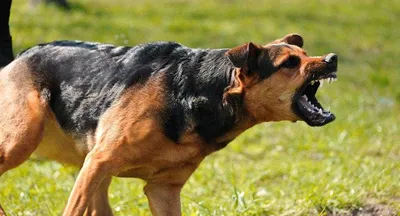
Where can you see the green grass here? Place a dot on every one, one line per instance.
(274, 168)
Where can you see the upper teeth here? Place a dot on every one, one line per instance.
(330, 79)
(321, 81)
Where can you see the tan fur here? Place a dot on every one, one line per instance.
(271, 99)
(2, 212)
(55, 139)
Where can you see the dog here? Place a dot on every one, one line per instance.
(152, 111)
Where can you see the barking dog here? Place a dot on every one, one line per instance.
(152, 111)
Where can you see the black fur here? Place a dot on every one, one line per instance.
(84, 79)
(196, 83)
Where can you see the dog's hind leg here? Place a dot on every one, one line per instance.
(2, 213)
(99, 205)
(22, 116)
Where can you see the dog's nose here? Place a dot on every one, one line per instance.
(331, 58)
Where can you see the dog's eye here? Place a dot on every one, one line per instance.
(291, 62)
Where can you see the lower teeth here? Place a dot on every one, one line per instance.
(314, 109)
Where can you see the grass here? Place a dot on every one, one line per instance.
(272, 169)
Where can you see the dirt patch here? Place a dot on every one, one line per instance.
(367, 210)
(375, 209)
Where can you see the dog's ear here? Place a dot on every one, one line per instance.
(244, 58)
(293, 39)
(244, 55)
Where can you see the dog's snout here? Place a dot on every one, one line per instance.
(331, 58)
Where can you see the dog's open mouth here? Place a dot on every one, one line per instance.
(306, 104)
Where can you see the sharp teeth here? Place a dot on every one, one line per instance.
(321, 83)
(320, 111)
(330, 79)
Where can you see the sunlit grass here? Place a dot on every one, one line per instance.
(272, 169)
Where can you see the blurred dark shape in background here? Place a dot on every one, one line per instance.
(60, 3)
(6, 53)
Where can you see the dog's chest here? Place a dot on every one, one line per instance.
(168, 161)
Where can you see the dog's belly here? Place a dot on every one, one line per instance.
(59, 146)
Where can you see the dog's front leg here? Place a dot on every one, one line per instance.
(99, 205)
(94, 170)
(164, 199)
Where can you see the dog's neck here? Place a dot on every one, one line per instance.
(199, 86)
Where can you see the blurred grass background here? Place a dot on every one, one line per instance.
(272, 169)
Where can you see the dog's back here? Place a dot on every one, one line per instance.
(84, 78)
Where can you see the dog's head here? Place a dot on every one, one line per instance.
(279, 80)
